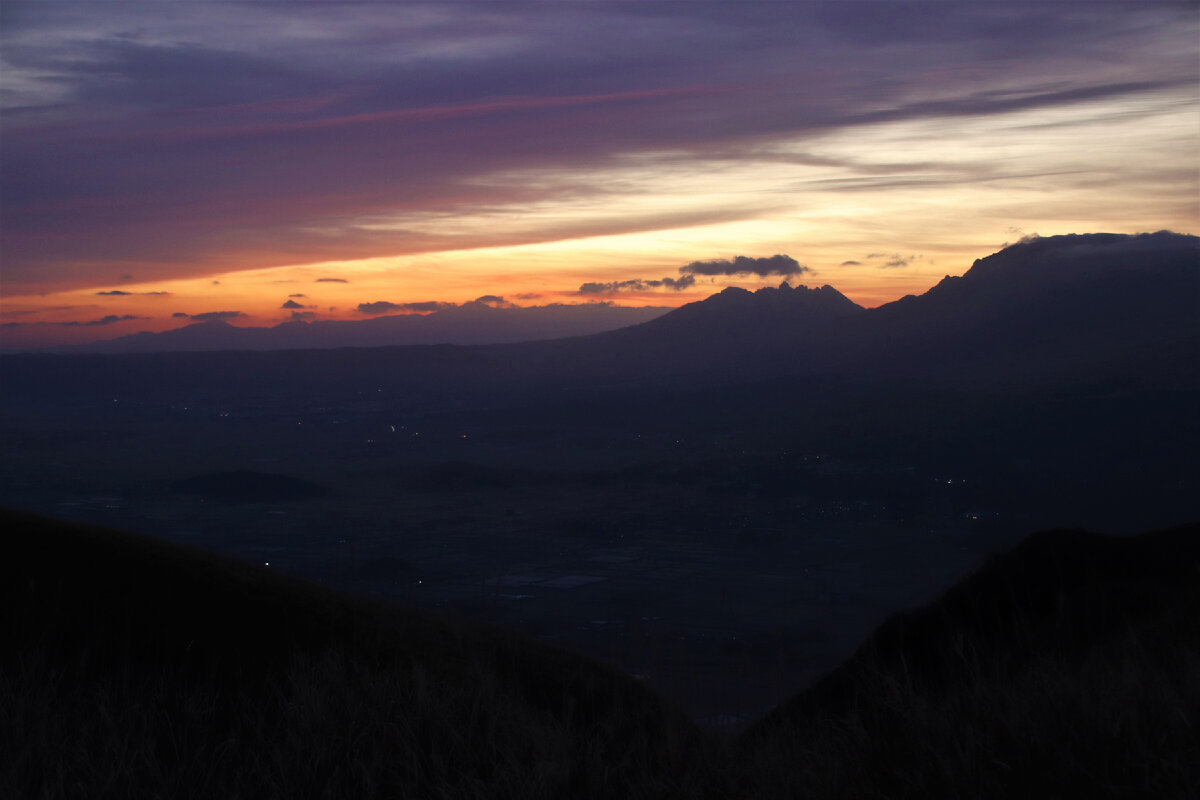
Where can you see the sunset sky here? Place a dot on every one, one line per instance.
(163, 162)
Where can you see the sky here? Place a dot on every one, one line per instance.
(167, 162)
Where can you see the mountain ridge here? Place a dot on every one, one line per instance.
(468, 324)
(1123, 267)
(1060, 304)
(1112, 305)
(1132, 321)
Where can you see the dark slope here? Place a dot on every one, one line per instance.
(1068, 666)
(135, 668)
(1092, 307)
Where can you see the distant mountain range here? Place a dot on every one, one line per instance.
(473, 323)
(1053, 304)
(1090, 309)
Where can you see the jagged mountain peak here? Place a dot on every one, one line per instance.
(785, 298)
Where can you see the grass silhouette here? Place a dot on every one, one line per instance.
(1068, 666)
(135, 668)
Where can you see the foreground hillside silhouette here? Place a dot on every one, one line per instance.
(133, 668)
(1069, 666)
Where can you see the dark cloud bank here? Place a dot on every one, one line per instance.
(779, 264)
(742, 265)
(384, 307)
(636, 285)
(380, 307)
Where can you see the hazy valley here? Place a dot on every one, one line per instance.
(723, 501)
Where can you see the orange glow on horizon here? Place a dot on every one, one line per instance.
(439, 159)
(878, 212)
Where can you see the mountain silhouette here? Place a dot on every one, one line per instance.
(1053, 309)
(1064, 308)
(733, 335)
(473, 323)
(762, 309)
(210, 334)
(1095, 309)
(739, 320)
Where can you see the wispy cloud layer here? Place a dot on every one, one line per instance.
(217, 138)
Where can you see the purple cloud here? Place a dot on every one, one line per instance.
(384, 307)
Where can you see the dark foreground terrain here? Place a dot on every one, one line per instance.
(1067, 666)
